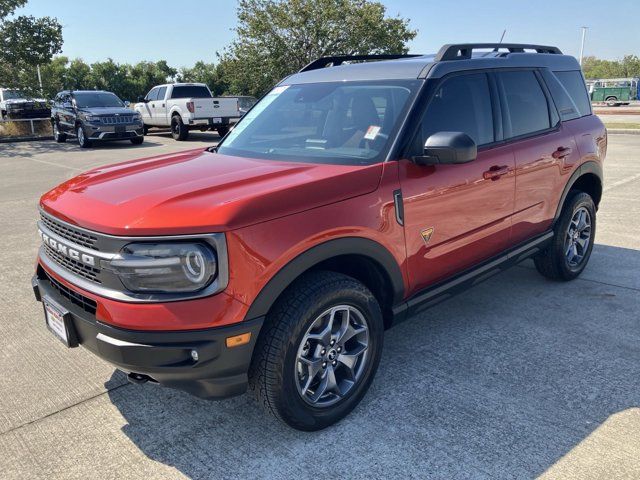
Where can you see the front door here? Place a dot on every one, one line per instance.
(456, 216)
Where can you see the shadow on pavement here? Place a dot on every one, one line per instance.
(194, 136)
(502, 382)
(40, 147)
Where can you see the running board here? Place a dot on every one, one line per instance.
(448, 288)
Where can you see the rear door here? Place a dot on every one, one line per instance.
(544, 150)
(456, 216)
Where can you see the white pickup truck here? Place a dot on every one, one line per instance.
(188, 106)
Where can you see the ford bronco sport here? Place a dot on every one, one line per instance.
(346, 200)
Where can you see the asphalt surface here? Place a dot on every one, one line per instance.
(517, 378)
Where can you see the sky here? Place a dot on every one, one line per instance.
(133, 30)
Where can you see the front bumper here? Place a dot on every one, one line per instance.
(113, 132)
(162, 357)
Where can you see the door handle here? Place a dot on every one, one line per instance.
(495, 172)
(561, 152)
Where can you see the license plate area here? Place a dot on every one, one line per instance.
(59, 322)
(120, 129)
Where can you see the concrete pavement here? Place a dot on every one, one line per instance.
(517, 378)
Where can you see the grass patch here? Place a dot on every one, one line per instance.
(625, 125)
(41, 128)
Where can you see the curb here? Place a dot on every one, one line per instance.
(24, 139)
(623, 131)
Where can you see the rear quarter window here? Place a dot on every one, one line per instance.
(574, 84)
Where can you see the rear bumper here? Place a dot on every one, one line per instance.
(162, 357)
(212, 121)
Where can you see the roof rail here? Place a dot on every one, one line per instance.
(336, 60)
(460, 51)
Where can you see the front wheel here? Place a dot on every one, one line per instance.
(179, 130)
(137, 140)
(83, 141)
(569, 252)
(318, 351)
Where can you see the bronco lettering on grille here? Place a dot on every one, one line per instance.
(67, 251)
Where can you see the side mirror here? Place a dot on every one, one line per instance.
(127, 103)
(447, 148)
(67, 105)
(141, 99)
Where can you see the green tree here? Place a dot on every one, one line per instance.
(203, 72)
(25, 42)
(78, 75)
(278, 37)
(628, 66)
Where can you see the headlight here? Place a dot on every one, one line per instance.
(91, 118)
(137, 117)
(165, 267)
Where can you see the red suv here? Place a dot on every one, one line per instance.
(346, 200)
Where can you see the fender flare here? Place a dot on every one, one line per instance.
(319, 253)
(588, 167)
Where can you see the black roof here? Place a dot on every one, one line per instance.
(450, 58)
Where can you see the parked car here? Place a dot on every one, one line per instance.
(187, 106)
(348, 199)
(14, 104)
(614, 91)
(94, 116)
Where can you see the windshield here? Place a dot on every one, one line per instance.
(13, 95)
(97, 99)
(337, 122)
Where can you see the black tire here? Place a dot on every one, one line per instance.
(612, 101)
(553, 262)
(137, 140)
(273, 373)
(83, 141)
(179, 130)
(222, 131)
(58, 136)
(145, 130)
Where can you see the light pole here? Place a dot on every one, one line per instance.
(584, 34)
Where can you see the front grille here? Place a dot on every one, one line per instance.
(80, 269)
(74, 297)
(115, 120)
(69, 233)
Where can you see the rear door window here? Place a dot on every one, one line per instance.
(575, 86)
(526, 109)
(461, 104)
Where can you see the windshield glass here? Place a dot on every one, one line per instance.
(97, 99)
(13, 95)
(337, 122)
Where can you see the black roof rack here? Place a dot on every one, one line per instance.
(338, 59)
(464, 50)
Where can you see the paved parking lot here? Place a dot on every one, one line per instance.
(517, 378)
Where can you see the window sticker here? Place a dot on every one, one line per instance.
(372, 132)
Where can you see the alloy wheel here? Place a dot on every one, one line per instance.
(332, 356)
(578, 237)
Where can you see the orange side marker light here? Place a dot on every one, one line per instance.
(238, 340)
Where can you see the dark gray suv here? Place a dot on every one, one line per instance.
(94, 116)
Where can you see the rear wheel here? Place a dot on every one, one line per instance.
(318, 351)
(179, 130)
(83, 141)
(612, 101)
(58, 136)
(222, 131)
(569, 252)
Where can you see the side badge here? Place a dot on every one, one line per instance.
(426, 234)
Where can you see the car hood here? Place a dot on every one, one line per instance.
(201, 192)
(107, 111)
